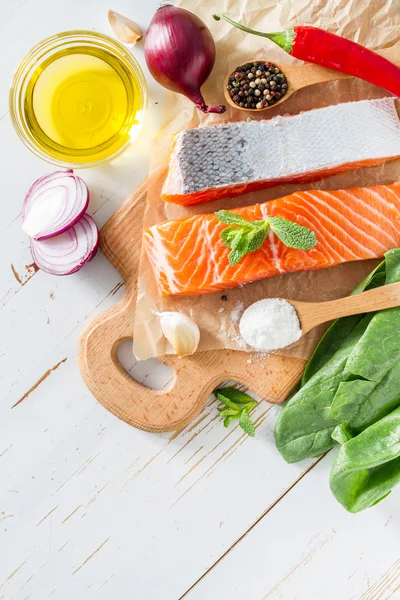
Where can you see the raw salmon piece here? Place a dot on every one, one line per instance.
(212, 162)
(187, 255)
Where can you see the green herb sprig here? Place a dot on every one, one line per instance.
(236, 405)
(244, 237)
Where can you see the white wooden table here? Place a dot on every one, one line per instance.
(92, 508)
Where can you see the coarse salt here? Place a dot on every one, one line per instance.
(270, 324)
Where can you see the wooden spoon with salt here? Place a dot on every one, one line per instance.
(312, 314)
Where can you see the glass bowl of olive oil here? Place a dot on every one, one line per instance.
(78, 99)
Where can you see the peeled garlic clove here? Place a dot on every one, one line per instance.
(181, 332)
(125, 30)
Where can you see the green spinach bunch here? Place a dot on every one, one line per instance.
(350, 394)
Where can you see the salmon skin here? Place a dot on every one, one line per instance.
(188, 258)
(212, 162)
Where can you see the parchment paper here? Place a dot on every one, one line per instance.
(375, 24)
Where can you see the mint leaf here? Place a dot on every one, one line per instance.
(245, 237)
(239, 239)
(229, 234)
(234, 395)
(231, 218)
(230, 412)
(239, 406)
(247, 424)
(225, 399)
(256, 238)
(292, 234)
(240, 249)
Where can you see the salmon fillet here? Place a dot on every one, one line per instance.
(188, 258)
(207, 163)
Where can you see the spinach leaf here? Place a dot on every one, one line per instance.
(341, 328)
(349, 397)
(361, 411)
(378, 349)
(368, 465)
(352, 377)
(304, 426)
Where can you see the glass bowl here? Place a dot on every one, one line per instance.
(27, 73)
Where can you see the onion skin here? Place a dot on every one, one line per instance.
(180, 53)
(69, 251)
(81, 191)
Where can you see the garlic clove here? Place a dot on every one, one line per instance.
(126, 31)
(181, 332)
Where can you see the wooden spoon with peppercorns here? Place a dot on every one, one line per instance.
(260, 84)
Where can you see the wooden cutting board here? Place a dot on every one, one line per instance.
(195, 377)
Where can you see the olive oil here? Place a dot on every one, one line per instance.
(82, 104)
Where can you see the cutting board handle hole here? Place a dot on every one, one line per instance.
(151, 373)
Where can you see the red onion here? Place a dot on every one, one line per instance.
(68, 252)
(180, 53)
(54, 203)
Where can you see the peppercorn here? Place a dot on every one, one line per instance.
(256, 85)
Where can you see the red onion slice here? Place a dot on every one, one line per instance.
(68, 252)
(54, 203)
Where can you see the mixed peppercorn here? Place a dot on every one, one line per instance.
(257, 85)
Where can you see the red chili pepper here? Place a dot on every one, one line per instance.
(315, 45)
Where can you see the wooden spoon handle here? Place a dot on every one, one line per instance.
(315, 313)
(309, 74)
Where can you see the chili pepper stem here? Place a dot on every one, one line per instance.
(284, 39)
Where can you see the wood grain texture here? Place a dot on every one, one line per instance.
(195, 377)
(301, 76)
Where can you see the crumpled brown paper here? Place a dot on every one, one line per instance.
(375, 24)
